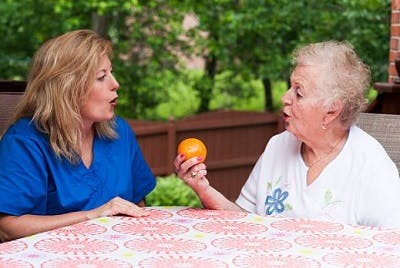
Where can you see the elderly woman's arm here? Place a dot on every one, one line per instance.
(194, 172)
(212, 199)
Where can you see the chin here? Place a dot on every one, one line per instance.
(105, 118)
(287, 125)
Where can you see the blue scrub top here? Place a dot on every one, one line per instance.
(34, 181)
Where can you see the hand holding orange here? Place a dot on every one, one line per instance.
(192, 147)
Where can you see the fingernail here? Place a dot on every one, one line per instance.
(199, 158)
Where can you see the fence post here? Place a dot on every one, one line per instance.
(171, 151)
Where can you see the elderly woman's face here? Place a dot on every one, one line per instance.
(102, 99)
(302, 107)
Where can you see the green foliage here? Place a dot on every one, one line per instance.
(246, 41)
(181, 98)
(279, 88)
(172, 191)
(258, 36)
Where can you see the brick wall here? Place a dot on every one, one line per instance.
(394, 39)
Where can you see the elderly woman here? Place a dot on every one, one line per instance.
(323, 166)
(67, 158)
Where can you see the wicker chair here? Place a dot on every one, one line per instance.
(8, 101)
(386, 129)
(10, 94)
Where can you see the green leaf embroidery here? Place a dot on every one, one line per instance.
(288, 207)
(328, 196)
(269, 187)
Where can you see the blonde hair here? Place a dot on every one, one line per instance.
(61, 72)
(343, 76)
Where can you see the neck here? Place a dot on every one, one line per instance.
(87, 130)
(87, 146)
(314, 155)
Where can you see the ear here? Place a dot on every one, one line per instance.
(334, 110)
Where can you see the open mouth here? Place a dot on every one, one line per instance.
(114, 101)
(284, 115)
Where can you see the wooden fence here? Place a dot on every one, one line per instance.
(234, 142)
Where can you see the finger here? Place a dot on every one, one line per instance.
(193, 174)
(193, 164)
(178, 160)
(133, 210)
(120, 205)
(196, 168)
(202, 173)
(196, 174)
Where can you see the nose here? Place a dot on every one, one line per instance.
(115, 84)
(287, 97)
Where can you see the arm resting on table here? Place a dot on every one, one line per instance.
(213, 199)
(13, 227)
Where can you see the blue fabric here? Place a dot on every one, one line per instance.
(34, 181)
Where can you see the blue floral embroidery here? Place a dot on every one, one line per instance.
(274, 202)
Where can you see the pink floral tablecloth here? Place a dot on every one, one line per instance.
(186, 237)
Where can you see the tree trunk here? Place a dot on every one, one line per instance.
(268, 94)
(206, 88)
(99, 24)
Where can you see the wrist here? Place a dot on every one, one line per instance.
(90, 215)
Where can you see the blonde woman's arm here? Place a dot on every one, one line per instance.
(13, 227)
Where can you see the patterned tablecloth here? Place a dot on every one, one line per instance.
(186, 237)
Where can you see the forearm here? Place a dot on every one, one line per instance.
(193, 172)
(213, 199)
(13, 227)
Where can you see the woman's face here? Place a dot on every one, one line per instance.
(303, 111)
(102, 98)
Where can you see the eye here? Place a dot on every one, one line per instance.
(101, 78)
(298, 93)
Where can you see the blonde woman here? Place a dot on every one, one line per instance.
(67, 157)
(323, 166)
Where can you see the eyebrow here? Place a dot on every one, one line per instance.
(102, 71)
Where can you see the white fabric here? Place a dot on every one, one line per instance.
(360, 186)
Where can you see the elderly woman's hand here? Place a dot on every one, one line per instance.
(193, 172)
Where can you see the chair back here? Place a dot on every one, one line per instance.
(386, 129)
(10, 94)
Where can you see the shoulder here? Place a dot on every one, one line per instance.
(366, 153)
(360, 142)
(124, 131)
(359, 136)
(122, 127)
(24, 140)
(121, 122)
(281, 148)
(283, 140)
(23, 128)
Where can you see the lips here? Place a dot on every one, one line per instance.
(285, 116)
(114, 101)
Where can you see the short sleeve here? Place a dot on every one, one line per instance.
(22, 176)
(380, 198)
(143, 179)
(248, 195)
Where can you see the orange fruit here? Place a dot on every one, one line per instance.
(192, 147)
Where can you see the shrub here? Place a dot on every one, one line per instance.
(172, 191)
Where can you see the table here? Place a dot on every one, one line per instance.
(188, 237)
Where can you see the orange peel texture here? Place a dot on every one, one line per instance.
(192, 147)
